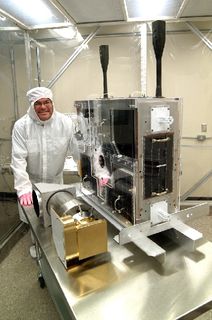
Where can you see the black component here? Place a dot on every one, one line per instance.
(121, 203)
(120, 198)
(35, 203)
(158, 40)
(158, 166)
(199, 198)
(101, 161)
(41, 281)
(87, 178)
(108, 150)
(123, 133)
(123, 181)
(104, 59)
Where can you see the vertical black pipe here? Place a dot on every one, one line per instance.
(104, 58)
(158, 40)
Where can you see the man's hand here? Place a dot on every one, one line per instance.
(26, 199)
(103, 181)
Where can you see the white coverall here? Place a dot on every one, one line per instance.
(39, 149)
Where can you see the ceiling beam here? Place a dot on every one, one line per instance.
(13, 19)
(196, 31)
(182, 7)
(72, 58)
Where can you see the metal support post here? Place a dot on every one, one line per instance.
(38, 65)
(14, 82)
(28, 58)
(143, 45)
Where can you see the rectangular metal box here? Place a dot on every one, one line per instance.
(130, 156)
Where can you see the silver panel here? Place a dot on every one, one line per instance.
(93, 10)
(197, 8)
(27, 15)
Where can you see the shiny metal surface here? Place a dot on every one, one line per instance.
(64, 203)
(125, 283)
(41, 194)
(77, 239)
(138, 234)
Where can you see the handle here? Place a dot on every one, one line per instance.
(159, 193)
(160, 140)
(115, 204)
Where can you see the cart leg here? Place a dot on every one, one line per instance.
(41, 280)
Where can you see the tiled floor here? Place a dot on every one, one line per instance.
(21, 296)
(9, 218)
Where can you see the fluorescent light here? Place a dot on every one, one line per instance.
(66, 33)
(34, 9)
(33, 13)
(146, 10)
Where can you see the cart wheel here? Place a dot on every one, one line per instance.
(41, 281)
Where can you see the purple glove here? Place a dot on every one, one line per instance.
(26, 199)
(103, 181)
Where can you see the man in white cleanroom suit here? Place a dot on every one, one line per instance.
(41, 140)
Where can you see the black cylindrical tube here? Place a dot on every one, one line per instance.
(104, 59)
(158, 40)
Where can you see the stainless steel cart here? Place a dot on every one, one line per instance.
(125, 283)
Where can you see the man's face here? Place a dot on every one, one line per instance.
(43, 108)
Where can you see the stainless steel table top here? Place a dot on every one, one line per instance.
(128, 285)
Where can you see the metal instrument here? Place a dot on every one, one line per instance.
(77, 231)
(130, 158)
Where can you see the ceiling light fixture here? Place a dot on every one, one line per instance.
(36, 9)
(146, 10)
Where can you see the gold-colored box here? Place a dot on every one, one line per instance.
(78, 240)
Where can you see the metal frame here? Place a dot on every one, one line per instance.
(35, 27)
(196, 31)
(16, 21)
(28, 58)
(14, 82)
(182, 7)
(196, 185)
(208, 43)
(72, 58)
(143, 52)
(62, 10)
(38, 65)
(151, 214)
